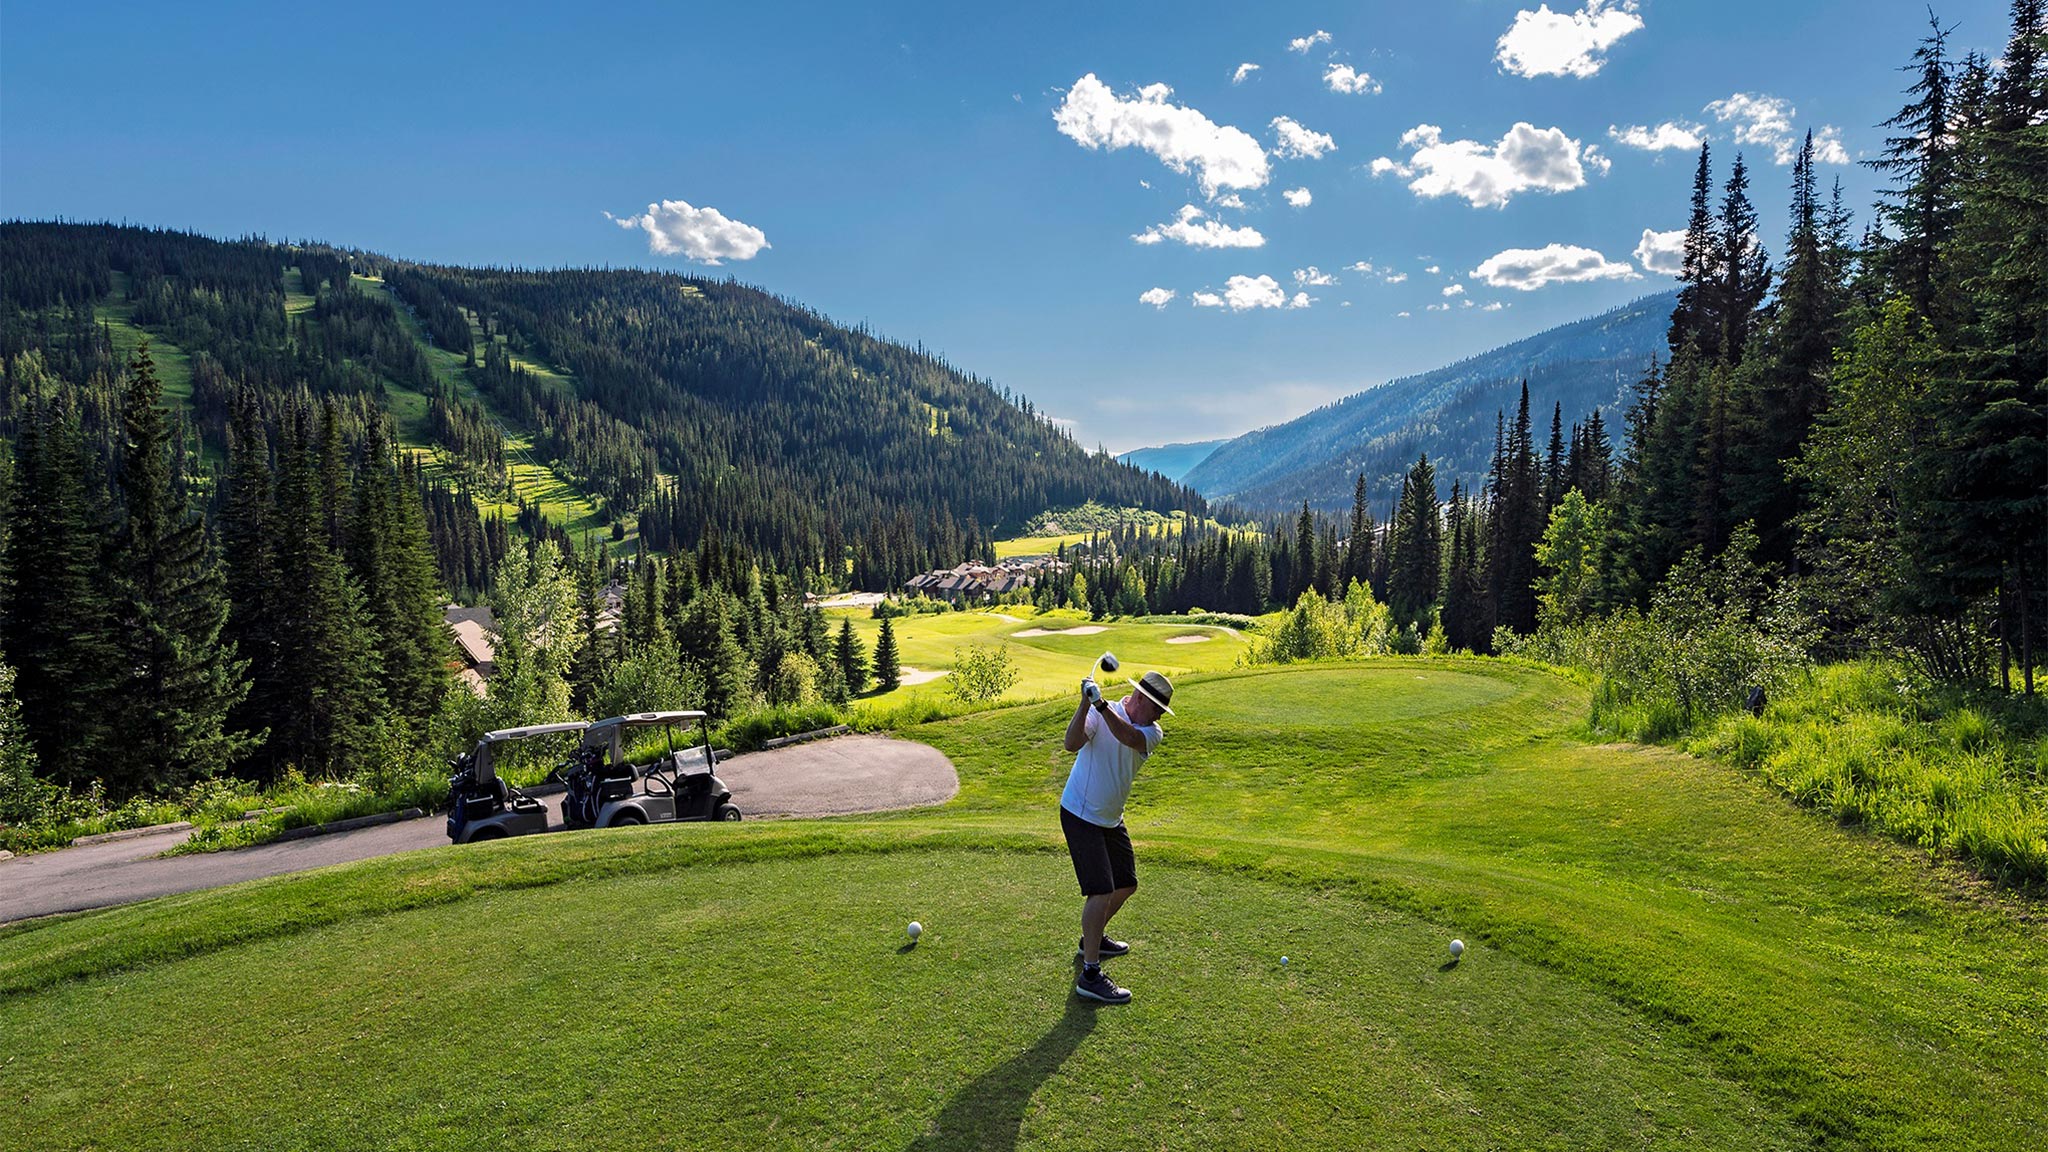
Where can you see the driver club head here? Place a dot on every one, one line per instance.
(1108, 662)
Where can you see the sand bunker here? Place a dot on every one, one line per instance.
(1083, 630)
(1189, 639)
(907, 675)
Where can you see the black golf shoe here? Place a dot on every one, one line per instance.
(1109, 948)
(1097, 986)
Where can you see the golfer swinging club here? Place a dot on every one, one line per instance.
(1112, 741)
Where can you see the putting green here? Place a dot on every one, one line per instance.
(774, 1005)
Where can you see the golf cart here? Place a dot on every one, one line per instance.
(484, 806)
(606, 790)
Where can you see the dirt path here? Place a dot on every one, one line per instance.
(849, 775)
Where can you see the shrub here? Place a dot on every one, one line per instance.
(981, 672)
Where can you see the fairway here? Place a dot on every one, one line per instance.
(1663, 954)
(1048, 650)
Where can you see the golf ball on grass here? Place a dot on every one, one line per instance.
(1457, 949)
(915, 930)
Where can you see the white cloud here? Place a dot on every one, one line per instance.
(1243, 293)
(1313, 277)
(1527, 269)
(1546, 43)
(1157, 297)
(1662, 252)
(1298, 197)
(1396, 277)
(1344, 304)
(1243, 70)
(1436, 307)
(1670, 134)
(1527, 158)
(1233, 200)
(1493, 307)
(1192, 228)
(1303, 43)
(1146, 184)
(1827, 146)
(1182, 138)
(1767, 121)
(1344, 78)
(1364, 266)
(1432, 269)
(1298, 143)
(1455, 290)
(1403, 315)
(705, 235)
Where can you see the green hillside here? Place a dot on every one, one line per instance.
(1663, 955)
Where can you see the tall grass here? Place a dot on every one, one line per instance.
(1959, 774)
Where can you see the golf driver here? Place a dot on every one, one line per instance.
(1108, 663)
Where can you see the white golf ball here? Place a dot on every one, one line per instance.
(916, 929)
(1457, 948)
(1283, 959)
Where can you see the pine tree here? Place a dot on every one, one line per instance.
(888, 672)
(56, 624)
(852, 659)
(1921, 206)
(1692, 323)
(1554, 461)
(1414, 569)
(1744, 266)
(176, 677)
(1358, 545)
(327, 665)
(1304, 553)
(389, 557)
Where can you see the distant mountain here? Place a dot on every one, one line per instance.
(1448, 413)
(1172, 460)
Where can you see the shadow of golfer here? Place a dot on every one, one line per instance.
(988, 1112)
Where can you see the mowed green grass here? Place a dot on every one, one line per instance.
(1664, 954)
(1046, 665)
(173, 364)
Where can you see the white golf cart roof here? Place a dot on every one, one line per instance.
(605, 733)
(485, 770)
(534, 730)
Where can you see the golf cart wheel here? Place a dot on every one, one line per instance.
(727, 812)
(483, 834)
(627, 817)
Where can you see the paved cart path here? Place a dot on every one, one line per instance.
(844, 776)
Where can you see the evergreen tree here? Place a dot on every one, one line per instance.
(390, 558)
(176, 678)
(1692, 321)
(1304, 558)
(1554, 461)
(852, 658)
(1515, 523)
(1921, 206)
(1414, 570)
(56, 621)
(327, 665)
(1744, 267)
(888, 672)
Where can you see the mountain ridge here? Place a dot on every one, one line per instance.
(1587, 363)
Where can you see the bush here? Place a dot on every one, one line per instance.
(749, 732)
(981, 673)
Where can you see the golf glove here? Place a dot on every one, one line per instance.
(1089, 692)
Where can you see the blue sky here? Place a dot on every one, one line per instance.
(946, 174)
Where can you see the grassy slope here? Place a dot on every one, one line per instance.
(173, 364)
(1664, 955)
(560, 498)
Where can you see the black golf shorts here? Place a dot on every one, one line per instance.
(1102, 856)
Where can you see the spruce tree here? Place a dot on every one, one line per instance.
(56, 623)
(1921, 205)
(177, 677)
(1692, 324)
(1414, 569)
(389, 557)
(852, 659)
(888, 671)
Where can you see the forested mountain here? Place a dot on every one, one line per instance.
(1447, 413)
(1172, 461)
(690, 404)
